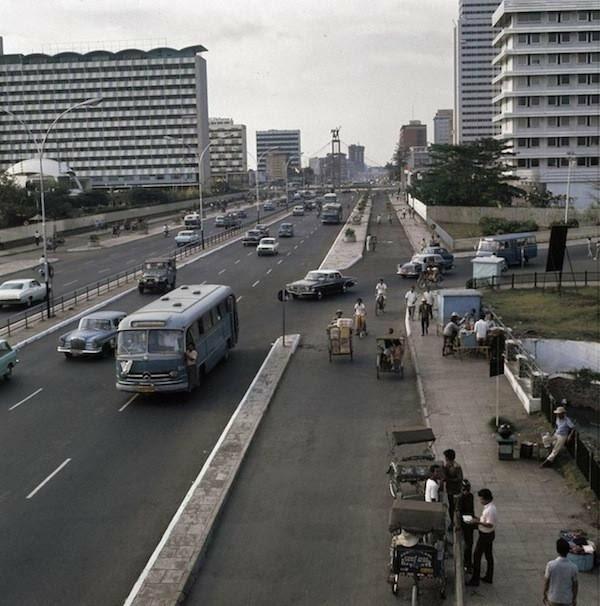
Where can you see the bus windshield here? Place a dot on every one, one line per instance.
(134, 342)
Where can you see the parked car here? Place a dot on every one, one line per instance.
(8, 359)
(263, 229)
(447, 256)
(267, 246)
(415, 266)
(320, 282)
(159, 274)
(286, 230)
(252, 237)
(19, 291)
(268, 205)
(186, 237)
(95, 335)
(298, 211)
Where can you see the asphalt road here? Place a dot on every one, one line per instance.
(77, 269)
(307, 519)
(92, 478)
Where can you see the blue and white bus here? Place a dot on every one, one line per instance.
(151, 342)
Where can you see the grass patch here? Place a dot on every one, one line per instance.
(462, 230)
(535, 312)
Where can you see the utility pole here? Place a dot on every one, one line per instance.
(335, 158)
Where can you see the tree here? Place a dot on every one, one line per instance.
(16, 206)
(395, 168)
(472, 174)
(539, 196)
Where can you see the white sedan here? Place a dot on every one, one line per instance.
(186, 237)
(267, 246)
(298, 211)
(22, 292)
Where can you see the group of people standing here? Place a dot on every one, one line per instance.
(424, 310)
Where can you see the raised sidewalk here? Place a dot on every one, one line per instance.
(533, 504)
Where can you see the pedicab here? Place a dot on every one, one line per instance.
(390, 353)
(418, 548)
(339, 337)
(408, 473)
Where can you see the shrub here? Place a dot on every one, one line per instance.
(491, 226)
(572, 222)
(349, 233)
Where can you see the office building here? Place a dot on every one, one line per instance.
(417, 159)
(228, 155)
(356, 162)
(473, 70)
(148, 130)
(287, 141)
(443, 127)
(413, 134)
(548, 106)
(277, 166)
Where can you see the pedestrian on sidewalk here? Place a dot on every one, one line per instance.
(432, 485)
(589, 248)
(450, 334)
(424, 316)
(486, 524)
(560, 578)
(411, 302)
(466, 507)
(453, 477)
(597, 250)
(423, 244)
(481, 331)
(565, 431)
(429, 298)
(37, 237)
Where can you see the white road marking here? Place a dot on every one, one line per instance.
(301, 241)
(31, 395)
(128, 402)
(257, 282)
(288, 254)
(71, 282)
(103, 271)
(249, 254)
(236, 262)
(40, 486)
(295, 247)
(280, 262)
(203, 282)
(269, 271)
(239, 298)
(222, 271)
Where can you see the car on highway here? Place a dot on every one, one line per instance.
(267, 246)
(320, 282)
(158, 274)
(242, 214)
(252, 237)
(298, 211)
(263, 229)
(8, 359)
(268, 205)
(446, 255)
(22, 291)
(414, 267)
(286, 230)
(95, 335)
(187, 237)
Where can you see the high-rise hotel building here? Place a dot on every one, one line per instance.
(285, 141)
(148, 130)
(473, 70)
(548, 106)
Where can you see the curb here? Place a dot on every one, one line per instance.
(173, 566)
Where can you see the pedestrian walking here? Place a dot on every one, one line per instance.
(466, 507)
(191, 359)
(453, 477)
(597, 250)
(360, 317)
(560, 578)
(411, 302)
(423, 244)
(565, 431)
(486, 524)
(424, 316)
(378, 219)
(590, 254)
(37, 237)
(390, 218)
(429, 298)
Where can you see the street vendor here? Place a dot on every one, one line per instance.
(450, 334)
(338, 315)
(565, 431)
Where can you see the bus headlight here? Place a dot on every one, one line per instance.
(173, 374)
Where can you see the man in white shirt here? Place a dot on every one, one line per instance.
(432, 486)
(381, 288)
(411, 302)
(486, 524)
(481, 331)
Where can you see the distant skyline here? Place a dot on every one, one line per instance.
(308, 65)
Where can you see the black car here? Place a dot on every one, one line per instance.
(448, 257)
(320, 282)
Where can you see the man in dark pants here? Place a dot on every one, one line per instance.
(486, 525)
(466, 507)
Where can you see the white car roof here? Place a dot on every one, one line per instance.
(18, 281)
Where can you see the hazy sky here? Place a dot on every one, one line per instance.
(309, 64)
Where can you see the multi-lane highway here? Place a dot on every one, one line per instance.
(91, 476)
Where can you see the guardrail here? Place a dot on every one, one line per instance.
(95, 289)
(537, 280)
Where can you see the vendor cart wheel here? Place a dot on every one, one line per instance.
(414, 599)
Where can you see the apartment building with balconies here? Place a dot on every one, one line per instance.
(548, 106)
(228, 155)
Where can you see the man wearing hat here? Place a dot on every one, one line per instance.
(565, 430)
(450, 334)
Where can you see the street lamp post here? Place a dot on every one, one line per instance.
(40, 147)
(287, 183)
(571, 160)
(256, 178)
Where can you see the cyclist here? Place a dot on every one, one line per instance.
(380, 294)
(166, 230)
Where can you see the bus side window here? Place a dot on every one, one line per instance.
(200, 324)
(207, 321)
(219, 311)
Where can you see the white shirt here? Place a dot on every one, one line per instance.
(429, 297)
(381, 288)
(489, 515)
(360, 309)
(411, 298)
(481, 329)
(432, 491)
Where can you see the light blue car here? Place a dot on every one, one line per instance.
(8, 359)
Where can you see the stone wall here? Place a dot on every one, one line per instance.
(559, 355)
